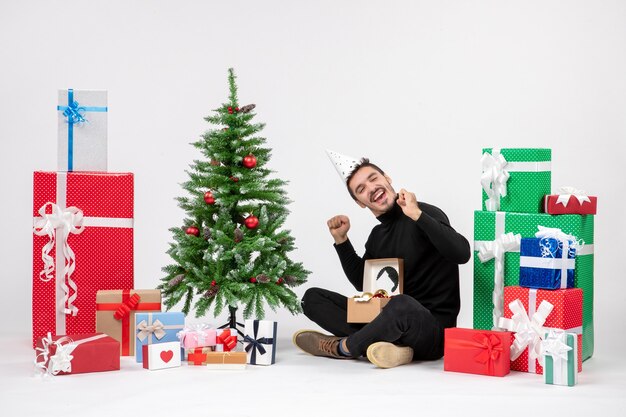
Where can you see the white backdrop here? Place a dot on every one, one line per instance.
(419, 87)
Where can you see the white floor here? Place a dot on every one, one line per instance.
(302, 385)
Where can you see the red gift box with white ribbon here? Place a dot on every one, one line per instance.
(569, 200)
(530, 313)
(82, 243)
(77, 354)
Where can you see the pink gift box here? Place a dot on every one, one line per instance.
(197, 336)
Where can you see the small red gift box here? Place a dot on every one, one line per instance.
(198, 355)
(481, 352)
(570, 201)
(77, 354)
(566, 314)
(226, 340)
(82, 243)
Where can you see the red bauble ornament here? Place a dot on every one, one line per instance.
(230, 110)
(235, 179)
(251, 221)
(280, 281)
(249, 161)
(253, 280)
(213, 283)
(237, 109)
(192, 230)
(208, 198)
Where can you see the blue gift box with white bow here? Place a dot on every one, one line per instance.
(259, 341)
(152, 328)
(547, 263)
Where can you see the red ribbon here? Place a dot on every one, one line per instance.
(122, 312)
(229, 341)
(197, 356)
(490, 349)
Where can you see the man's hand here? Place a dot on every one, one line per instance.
(338, 227)
(408, 204)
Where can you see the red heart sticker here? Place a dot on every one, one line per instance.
(167, 355)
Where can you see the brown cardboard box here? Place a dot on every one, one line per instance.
(226, 360)
(365, 311)
(115, 314)
(378, 274)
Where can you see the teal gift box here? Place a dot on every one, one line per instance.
(560, 351)
(152, 328)
(489, 225)
(515, 179)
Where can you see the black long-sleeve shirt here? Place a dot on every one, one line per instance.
(431, 250)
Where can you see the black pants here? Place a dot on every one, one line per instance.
(403, 321)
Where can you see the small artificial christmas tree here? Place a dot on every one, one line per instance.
(231, 250)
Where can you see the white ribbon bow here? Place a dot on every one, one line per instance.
(496, 249)
(494, 178)
(145, 330)
(566, 243)
(69, 220)
(554, 346)
(565, 193)
(528, 332)
(61, 361)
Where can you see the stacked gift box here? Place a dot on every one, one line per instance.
(516, 193)
(518, 233)
(82, 240)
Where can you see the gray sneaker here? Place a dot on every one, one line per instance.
(318, 344)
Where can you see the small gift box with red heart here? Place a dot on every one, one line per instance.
(77, 354)
(161, 355)
(569, 200)
(481, 352)
(226, 340)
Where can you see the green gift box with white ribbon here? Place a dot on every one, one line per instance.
(515, 179)
(497, 234)
(559, 352)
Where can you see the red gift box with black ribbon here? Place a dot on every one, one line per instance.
(82, 243)
(473, 351)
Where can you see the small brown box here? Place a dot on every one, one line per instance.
(226, 360)
(378, 274)
(365, 311)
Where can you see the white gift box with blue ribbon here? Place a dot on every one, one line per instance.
(260, 341)
(548, 260)
(82, 130)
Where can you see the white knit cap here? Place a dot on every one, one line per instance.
(343, 164)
